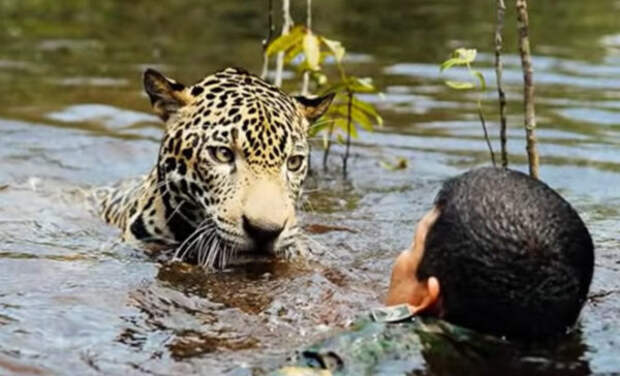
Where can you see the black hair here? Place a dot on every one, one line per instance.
(512, 256)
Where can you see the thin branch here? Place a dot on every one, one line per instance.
(286, 26)
(328, 145)
(501, 9)
(482, 120)
(306, 78)
(349, 123)
(486, 134)
(266, 41)
(310, 172)
(309, 14)
(528, 89)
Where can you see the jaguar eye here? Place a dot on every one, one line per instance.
(294, 163)
(222, 154)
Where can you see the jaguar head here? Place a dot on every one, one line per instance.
(232, 163)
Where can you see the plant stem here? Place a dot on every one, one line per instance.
(309, 159)
(528, 88)
(328, 145)
(266, 41)
(348, 146)
(481, 116)
(286, 26)
(486, 134)
(501, 9)
(306, 79)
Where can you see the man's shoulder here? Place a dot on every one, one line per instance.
(374, 338)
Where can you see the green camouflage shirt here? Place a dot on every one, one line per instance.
(428, 346)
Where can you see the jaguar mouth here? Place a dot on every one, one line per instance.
(212, 248)
(254, 253)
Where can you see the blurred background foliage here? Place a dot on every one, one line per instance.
(189, 36)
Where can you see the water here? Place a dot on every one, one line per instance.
(77, 301)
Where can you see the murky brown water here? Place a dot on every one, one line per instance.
(75, 301)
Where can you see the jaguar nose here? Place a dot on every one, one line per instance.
(261, 232)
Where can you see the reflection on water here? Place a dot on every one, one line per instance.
(76, 301)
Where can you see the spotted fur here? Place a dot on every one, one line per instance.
(230, 169)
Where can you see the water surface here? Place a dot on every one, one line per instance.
(77, 301)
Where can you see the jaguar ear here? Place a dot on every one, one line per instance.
(313, 108)
(166, 95)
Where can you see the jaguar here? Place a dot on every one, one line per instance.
(229, 172)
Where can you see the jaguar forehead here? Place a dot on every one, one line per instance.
(235, 135)
(235, 107)
(234, 86)
(268, 147)
(241, 107)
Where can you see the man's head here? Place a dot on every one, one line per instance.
(500, 252)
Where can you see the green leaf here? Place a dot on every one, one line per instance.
(319, 77)
(338, 108)
(357, 116)
(401, 164)
(480, 77)
(344, 125)
(368, 109)
(360, 118)
(362, 113)
(323, 123)
(467, 55)
(449, 63)
(336, 87)
(284, 42)
(460, 56)
(292, 53)
(335, 47)
(340, 138)
(305, 64)
(360, 85)
(379, 120)
(312, 50)
(460, 85)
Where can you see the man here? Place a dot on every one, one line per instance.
(500, 253)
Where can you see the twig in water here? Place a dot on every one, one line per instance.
(528, 87)
(306, 78)
(286, 26)
(349, 123)
(328, 145)
(266, 41)
(501, 9)
(486, 134)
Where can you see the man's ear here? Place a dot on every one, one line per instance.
(431, 297)
(313, 108)
(166, 95)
